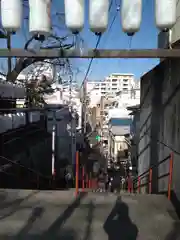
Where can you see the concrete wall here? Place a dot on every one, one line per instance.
(160, 123)
(170, 126)
(150, 117)
(135, 139)
(145, 123)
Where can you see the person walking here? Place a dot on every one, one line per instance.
(101, 181)
(68, 178)
(116, 182)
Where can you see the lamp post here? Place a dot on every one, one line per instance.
(2, 34)
(9, 48)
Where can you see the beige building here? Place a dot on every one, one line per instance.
(117, 147)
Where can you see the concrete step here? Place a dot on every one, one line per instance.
(27, 214)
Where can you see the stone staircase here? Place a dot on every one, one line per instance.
(27, 214)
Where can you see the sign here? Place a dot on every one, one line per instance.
(98, 138)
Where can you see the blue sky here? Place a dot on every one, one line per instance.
(115, 38)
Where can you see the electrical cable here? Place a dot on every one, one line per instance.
(113, 20)
(97, 44)
(90, 63)
(112, 23)
(109, 30)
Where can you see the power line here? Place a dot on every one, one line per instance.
(111, 25)
(90, 63)
(97, 44)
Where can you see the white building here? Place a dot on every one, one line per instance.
(112, 84)
(117, 119)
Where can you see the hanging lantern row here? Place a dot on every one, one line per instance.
(40, 15)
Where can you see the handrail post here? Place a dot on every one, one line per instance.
(129, 184)
(87, 181)
(37, 181)
(139, 183)
(150, 180)
(90, 181)
(77, 173)
(170, 176)
(50, 183)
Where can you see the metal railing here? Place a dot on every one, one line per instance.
(136, 184)
(31, 175)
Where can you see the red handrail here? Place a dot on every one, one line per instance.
(170, 176)
(77, 173)
(27, 127)
(149, 173)
(38, 175)
(27, 134)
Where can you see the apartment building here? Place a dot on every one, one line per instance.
(113, 84)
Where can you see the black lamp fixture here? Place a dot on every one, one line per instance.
(2, 34)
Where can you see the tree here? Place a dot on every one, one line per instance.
(60, 38)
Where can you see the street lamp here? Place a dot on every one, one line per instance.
(2, 34)
(7, 36)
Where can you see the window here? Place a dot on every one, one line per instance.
(114, 84)
(114, 80)
(125, 89)
(125, 80)
(125, 84)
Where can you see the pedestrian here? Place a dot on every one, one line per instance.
(123, 181)
(129, 183)
(101, 181)
(116, 182)
(106, 181)
(68, 179)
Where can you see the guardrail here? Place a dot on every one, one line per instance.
(137, 182)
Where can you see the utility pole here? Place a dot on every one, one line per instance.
(84, 108)
(101, 125)
(101, 116)
(73, 123)
(53, 144)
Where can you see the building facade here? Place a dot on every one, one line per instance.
(113, 84)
